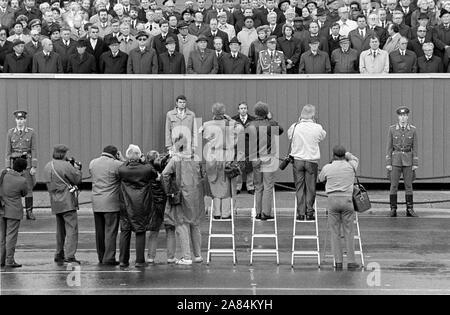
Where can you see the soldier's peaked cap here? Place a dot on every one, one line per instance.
(20, 114)
(402, 110)
(272, 38)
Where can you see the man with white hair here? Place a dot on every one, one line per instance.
(346, 25)
(224, 26)
(47, 61)
(429, 63)
(373, 22)
(306, 135)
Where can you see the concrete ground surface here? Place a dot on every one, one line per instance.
(402, 256)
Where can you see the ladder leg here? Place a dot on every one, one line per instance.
(359, 239)
(317, 233)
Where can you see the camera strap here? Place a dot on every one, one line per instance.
(60, 178)
(292, 139)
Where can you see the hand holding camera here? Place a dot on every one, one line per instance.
(75, 163)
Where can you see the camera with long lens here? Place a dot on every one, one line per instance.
(161, 162)
(75, 163)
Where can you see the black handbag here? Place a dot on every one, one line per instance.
(175, 198)
(288, 159)
(360, 197)
(234, 168)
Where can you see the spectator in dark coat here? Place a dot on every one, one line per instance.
(159, 41)
(441, 37)
(6, 46)
(428, 63)
(47, 61)
(403, 60)
(291, 48)
(234, 62)
(345, 59)
(13, 187)
(29, 10)
(65, 47)
(34, 45)
(314, 33)
(214, 32)
(360, 37)
(113, 61)
(95, 45)
(135, 177)
(171, 62)
(333, 38)
(202, 60)
(17, 61)
(314, 60)
(417, 43)
(381, 32)
(81, 61)
(198, 26)
(143, 59)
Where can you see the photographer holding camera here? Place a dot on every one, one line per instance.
(61, 176)
(305, 155)
(106, 202)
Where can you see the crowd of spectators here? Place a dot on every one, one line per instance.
(225, 36)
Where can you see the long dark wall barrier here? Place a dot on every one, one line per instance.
(89, 112)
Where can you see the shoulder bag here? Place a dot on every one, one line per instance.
(360, 197)
(72, 188)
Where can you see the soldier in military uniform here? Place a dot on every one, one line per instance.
(271, 61)
(21, 142)
(401, 158)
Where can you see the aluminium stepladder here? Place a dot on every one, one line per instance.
(357, 237)
(221, 251)
(305, 237)
(261, 252)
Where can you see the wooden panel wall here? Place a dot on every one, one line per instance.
(89, 113)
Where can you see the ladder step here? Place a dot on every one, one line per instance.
(264, 251)
(305, 237)
(222, 251)
(221, 220)
(264, 235)
(305, 221)
(305, 252)
(222, 235)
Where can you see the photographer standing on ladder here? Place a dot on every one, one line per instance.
(306, 135)
(340, 176)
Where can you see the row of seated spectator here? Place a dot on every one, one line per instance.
(344, 39)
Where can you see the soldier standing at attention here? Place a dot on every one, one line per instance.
(401, 158)
(271, 61)
(21, 142)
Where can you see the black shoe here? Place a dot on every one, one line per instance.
(300, 217)
(217, 217)
(226, 218)
(59, 259)
(124, 265)
(30, 215)
(338, 266)
(238, 192)
(393, 213)
(411, 213)
(13, 265)
(110, 263)
(258, 216)
(393, 204)
(251, 191)
(72, 260)
(141, 265)
(266, 217)
(2, 265)
(310, 217)
(353, 266)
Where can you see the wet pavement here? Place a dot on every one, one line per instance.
(413, 256)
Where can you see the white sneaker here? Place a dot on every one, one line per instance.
(183, 261)
(150, 261)
(172, 260)
(198, 259)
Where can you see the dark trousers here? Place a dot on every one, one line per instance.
(9, 232)
(66, 234)
(106, 230)
(407, 179)
(305, 177)
(125, 241)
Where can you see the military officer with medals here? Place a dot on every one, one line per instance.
(401, 158)
(271, 61)
(21, 142)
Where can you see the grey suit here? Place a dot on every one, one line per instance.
(202, 63)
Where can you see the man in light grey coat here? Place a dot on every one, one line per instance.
(61, 176)
(106, 202)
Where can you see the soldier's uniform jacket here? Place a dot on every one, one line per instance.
(18, 145)
(268, 65)
(402, 146)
